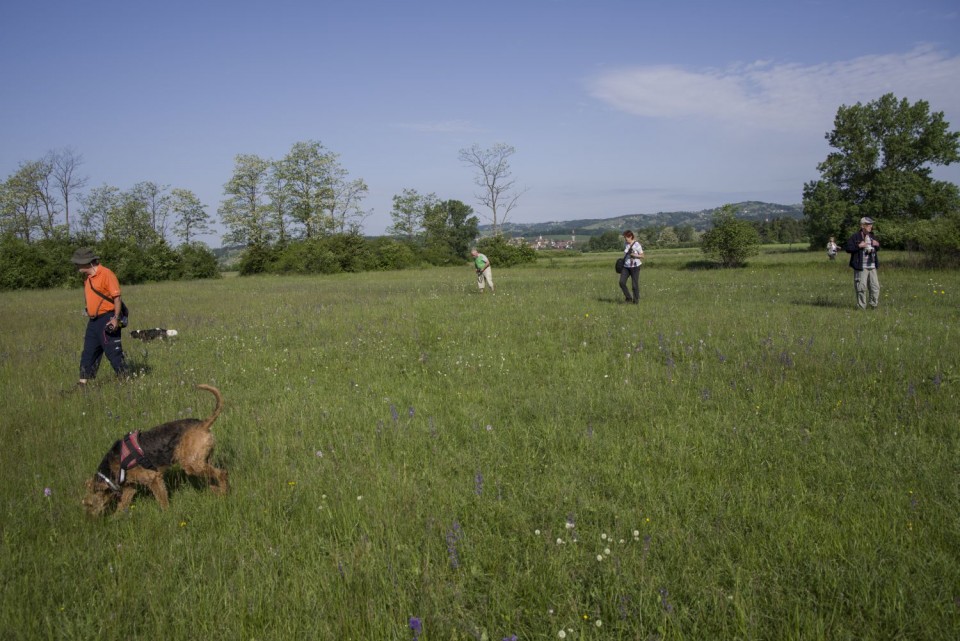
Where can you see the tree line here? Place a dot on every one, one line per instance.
(304, 213)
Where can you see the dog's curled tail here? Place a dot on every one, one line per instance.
(216, 410)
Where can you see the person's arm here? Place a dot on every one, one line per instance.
(117, 306)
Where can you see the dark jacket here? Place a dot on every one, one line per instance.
(856, 253)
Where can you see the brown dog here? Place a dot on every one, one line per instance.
(141, 459)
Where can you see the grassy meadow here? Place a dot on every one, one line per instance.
(744, 455)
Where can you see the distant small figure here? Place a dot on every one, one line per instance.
(484, 272)
(632, 253)
(863, 247)
(832, 249)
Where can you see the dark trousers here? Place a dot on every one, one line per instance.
(634, 274)
(96, 343)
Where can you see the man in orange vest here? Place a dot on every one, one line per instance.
(102, 294)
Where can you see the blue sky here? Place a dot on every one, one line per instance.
(614, 107)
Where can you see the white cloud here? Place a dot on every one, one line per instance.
(782, 96)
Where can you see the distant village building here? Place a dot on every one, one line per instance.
(547, 243)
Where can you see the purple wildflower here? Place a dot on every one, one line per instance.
(393, 413)
(478, 483)
(663, 600)
(47, 492)
(417, 627)
(453, 535)
(410, 411)
(512, 637)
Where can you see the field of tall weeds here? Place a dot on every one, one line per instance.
(744, 454)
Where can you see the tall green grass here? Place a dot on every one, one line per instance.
(742, 455)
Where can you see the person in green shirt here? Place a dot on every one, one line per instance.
(484, 272)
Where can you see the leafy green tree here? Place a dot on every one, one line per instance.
(885, 151)
(609, 240)
(667, 238)
(408, 213)
(449, 228)
(156, 203)
(686, 233)
(245, 212)
(346, 212)
(96, 208)
(191, 215)
(309, 172)
(129, 221)
(29, 207)
(731, 240)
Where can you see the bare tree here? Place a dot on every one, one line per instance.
(66, 165)
(499, 192)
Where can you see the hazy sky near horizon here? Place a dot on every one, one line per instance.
(614, 107)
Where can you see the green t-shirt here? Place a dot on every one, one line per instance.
(480, 261)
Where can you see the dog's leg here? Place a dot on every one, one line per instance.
(159, 489)
(126, 498)
(203, 469)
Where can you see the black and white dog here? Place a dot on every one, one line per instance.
(152, 334)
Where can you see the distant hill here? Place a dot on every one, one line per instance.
(700, 220)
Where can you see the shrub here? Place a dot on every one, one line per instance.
(197, 261)
(307, 257)
(503, 254)
(45, 263)
(256, 259)
(387, 253)
(731, 240)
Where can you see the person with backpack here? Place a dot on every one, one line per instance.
(632, 253)
(832, 249)
(104, 308)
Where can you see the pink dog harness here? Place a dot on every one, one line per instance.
(131, 454)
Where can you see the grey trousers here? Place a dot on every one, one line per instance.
(865, 281)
